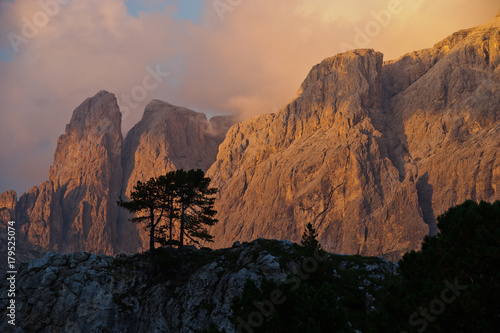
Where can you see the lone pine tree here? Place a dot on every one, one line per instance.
(310, 239)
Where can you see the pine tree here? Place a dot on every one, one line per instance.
(457, 270)
(182, 196)
(150, 201)
(309, 239)
(169, 197)
(196, 203)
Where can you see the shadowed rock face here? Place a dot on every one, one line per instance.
(369, 152)
(75, 209)
(23, 250)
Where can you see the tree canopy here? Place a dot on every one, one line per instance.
(452, 284)
(180, 199)
(310, 239)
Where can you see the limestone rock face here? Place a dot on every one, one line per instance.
(167, 138)
(451, 118)
(40, 217)
(86, 173)
(24, 251)
(369, 152)
(76, 209)
(8, 202)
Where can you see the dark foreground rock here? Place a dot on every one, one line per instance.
(82, 292)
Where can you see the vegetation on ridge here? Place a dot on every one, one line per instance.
(179, 196)
(450, 285)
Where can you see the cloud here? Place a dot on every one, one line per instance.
(251, 62)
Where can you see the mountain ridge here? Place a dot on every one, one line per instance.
(384, 123)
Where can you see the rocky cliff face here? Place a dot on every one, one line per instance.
(170, 138)
(451, 116)
(167, 138)
(86, 174)
(23, 250)
(39, 216)
(8, 202)
(369, 152)
(76, 208)
(84, 292)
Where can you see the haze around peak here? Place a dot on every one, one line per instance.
(212, 56)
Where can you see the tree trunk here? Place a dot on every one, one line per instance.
(152, 233)
(171, 222)
(170, 236)
(181, 238)
(151, 247)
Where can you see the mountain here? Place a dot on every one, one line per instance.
(369, 152)
(76, 210)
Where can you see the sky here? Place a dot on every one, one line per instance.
(245, 57)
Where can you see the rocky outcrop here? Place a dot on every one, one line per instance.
(167, 138)
(82, 292)
(369, 152)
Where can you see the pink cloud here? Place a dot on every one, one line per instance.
(250, 63)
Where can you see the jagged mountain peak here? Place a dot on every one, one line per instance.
(484, 36)
(94, 112)
(165, 108)
(95, 127)
(76, 209)
(348, 61)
